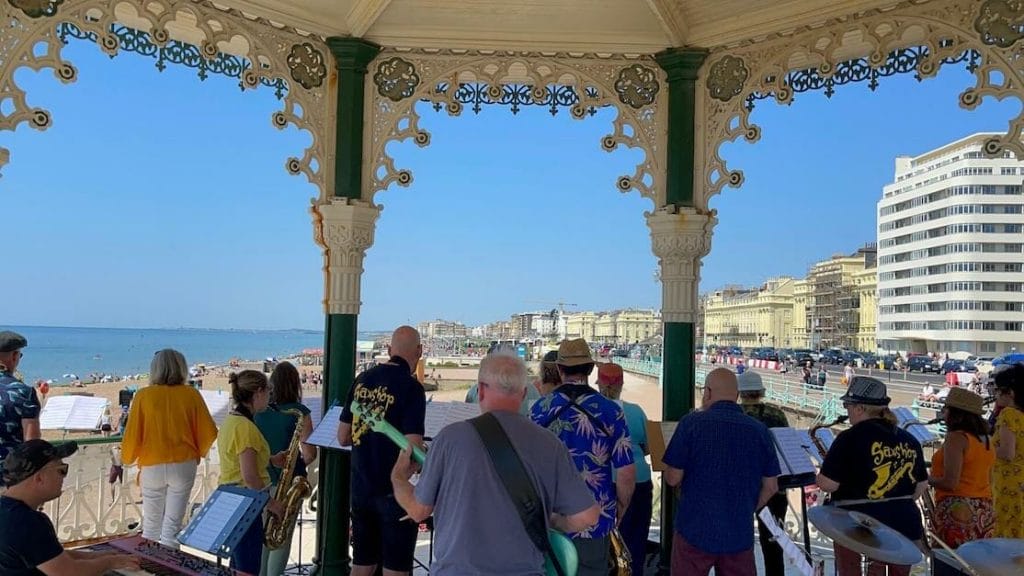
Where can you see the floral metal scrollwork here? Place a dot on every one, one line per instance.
(37, 8)
(637, 86)
(396, 79)
(1000, 22)
(726, 78)
(306, 64)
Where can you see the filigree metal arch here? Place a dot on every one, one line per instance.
(400, 79)
(926, 34)
(297, 66)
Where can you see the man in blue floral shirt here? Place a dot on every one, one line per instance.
(594, 430)
(19, 405)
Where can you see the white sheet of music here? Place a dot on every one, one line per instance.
(218, 402)
(316, 409)
(215, 520)
(793, 457)
(72, 413)
(326, 433)
(441, 414)
(794, 555)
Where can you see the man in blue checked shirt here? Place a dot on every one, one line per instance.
(725, 465)
(594, 430)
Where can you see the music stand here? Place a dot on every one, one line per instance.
(223, 520)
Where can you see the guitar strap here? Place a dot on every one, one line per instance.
(519, 486)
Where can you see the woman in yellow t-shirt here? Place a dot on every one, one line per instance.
(169, 430)
(1008, 477)
(244, 458)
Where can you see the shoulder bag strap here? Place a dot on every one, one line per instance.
(575, 405)
(513, 475)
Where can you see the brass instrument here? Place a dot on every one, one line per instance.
(813, 432)
(619, 560)
(291, 491)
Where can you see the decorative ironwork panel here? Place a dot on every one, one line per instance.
(221, 41)
(454, 81)
(913, 37)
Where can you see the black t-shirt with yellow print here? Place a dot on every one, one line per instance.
(876, 460)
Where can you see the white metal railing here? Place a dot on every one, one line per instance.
(90, 508)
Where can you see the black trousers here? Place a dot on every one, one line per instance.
(774, 562)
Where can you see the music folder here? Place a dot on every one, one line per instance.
(794, 460)
(223, 520)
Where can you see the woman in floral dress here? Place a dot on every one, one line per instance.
(1008, 476)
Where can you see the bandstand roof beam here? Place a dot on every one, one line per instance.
(363, 15)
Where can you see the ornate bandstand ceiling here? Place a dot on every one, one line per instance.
(594, 26)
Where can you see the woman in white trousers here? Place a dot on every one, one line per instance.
(169, 430)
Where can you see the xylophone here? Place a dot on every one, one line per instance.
(156, 559)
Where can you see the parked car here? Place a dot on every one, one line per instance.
(831, 357)
(954, 365)
(984, 364)
(851, 358)
(923, 364)
(802, 357)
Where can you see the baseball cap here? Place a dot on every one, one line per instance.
(609, 374)
(866, 390)
(31, 456)
(11, 341)
(750, 381)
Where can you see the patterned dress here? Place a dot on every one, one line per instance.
(1008, 479)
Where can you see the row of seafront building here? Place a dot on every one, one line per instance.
(943, 276)
(628, 326)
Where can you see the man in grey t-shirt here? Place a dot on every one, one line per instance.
(479, 531)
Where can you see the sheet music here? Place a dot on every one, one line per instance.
(215, 521)
(218, 402)
(326, 433)
(794, 555)
(316, 409)
(441, 414)
(923, 434)
(791, 447)
(72, 413)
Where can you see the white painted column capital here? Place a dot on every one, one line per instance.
(680, 238)
(344, 228)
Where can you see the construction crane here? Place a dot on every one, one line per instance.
(561, 304)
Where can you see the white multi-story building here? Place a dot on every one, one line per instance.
(950, 252)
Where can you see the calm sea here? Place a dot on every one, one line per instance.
(53, 352)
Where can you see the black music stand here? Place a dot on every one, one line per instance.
(222, 521)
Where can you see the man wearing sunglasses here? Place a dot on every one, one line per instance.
(34, 474)
(19, 404)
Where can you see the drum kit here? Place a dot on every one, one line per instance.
(876, 542)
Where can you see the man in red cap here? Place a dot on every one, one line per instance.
(636, 522)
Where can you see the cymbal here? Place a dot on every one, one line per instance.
(864, 535)
(994, 556)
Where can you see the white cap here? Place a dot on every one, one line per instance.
(750, 381)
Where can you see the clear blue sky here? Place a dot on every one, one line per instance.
(157, 200)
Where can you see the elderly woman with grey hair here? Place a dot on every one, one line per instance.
(169, 430)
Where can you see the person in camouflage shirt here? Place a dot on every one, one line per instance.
(752, 401)
(19, 405)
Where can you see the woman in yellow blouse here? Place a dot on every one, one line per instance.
(245, 458)
(1008, 478)
(169, 429)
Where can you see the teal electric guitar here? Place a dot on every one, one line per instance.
(561, 545)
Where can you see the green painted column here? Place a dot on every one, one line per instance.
(681, 65)
(351, 56)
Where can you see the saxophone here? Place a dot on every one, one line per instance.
(619, 560)
(813, 432)
(291, 491)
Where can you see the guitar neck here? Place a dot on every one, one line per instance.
(379, 424)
